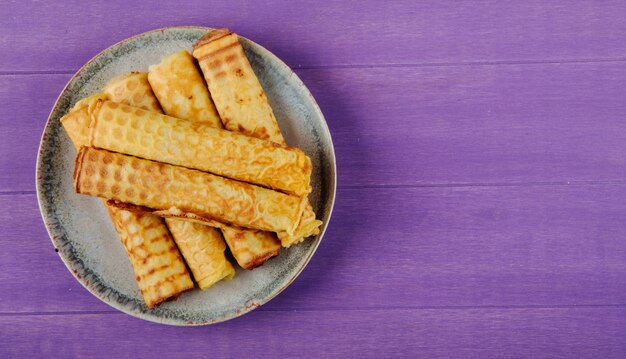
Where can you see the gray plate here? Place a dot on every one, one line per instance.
(83, 234)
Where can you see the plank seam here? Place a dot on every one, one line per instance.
(373, 66)
(13, 193)
(438, 185)
(36, 72)
(491, 184)
(399, 308)
(464, 63)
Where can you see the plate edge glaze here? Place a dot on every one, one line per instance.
(52, 233)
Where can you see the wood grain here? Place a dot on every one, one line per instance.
(446, 125)
(339, 33)
(25, 103)
(429, 247)
(432, 333)
(481, 166)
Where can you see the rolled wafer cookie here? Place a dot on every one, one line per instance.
(235, 89)
(203, 249)
(173, 191)
(177, 82)
(201, 246)
(132, 89)
(154, 136)
(251, 248)
(242, 103)
(180, 89)
(159, 269)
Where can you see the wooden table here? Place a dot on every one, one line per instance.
(481, 208)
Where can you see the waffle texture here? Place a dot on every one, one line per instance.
(180, 89)
(182, 93)
(130, 130)
(251, 248)
(132, 88)
(178, 191)
(230, 78)
(235, 89)
(201, 246)
(308, 226)
(159, 270)
(203, 249)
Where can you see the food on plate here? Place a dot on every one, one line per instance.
(174, 191)
(182, 93)
(203, 249)
(151, 135)
(180, 89)
(189, 157)
(132, 89)
(202, 246)
(229, 77)
(251, 247)
(242, 103)
(159, 270)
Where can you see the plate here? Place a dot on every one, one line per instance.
(83, 234)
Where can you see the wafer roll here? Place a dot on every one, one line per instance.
(251, 248)
(132, 89)
(235, 89)
(159, 270)
(203, 249)
(201, 246)
(173, 191)
(242, 103)
(181, 91)
(150, 135)
(308, 226)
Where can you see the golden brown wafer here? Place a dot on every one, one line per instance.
(133, 89)
(201, 246)
(158, 266)
(151, 135)
(181, 91)
(235, 89)
(251, 248)
(203, 249)
(242, 103)
(159, 270)
(175, 191)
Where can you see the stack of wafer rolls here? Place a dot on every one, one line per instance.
(165, 149)
(154, 136)
(242, 103)
(159, 269)
(201, 246)
(178, 85)
(179, 192)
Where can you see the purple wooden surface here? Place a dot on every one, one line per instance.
(430, 333)
(559, 123)
(464, 246)
(481, 170)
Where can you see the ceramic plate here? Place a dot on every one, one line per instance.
(83, 234)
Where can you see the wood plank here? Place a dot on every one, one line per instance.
(415, 126)
(434, 333)
(400, 247)
(63, 36)
(475, 124)
(25, 103)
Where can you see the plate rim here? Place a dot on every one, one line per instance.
(155, 318)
